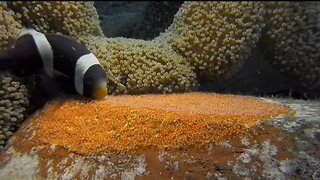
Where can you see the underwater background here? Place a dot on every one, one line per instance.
(214, 90)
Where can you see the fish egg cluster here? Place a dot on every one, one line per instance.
(292, 40)
(72, 18)
(8, 26)
(129, 123)
(137, 66)
(13, 103)
(216, 37)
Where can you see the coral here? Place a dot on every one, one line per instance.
(137, 66)
(162, 121)
(13, 103)
(291, 40)
(9, 27)
(70, 18)
(216, 37)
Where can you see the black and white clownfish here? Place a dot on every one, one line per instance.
(34, 51)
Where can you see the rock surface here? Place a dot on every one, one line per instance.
(285, 147)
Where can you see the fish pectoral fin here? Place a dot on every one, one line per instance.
(58, 76)
(66, 82)
(48, 85)
(56, 86)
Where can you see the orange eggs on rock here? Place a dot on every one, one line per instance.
(163, 121)
(192, 135)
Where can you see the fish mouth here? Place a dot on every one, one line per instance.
(99, 93)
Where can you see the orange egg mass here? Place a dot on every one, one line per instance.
(128, 123)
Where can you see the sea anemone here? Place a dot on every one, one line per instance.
(215, 37)
(291, 40)
(14, 99)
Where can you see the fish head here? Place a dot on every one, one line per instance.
(100, 91)
(95, 83)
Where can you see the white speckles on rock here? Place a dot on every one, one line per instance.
(240, 170)
(254, 151)
(219, 176)
(210, 146)
(316, 175)
(286, 166)
(12, 170)
(311, 132)
(268, 148)
(246, 178)
(176, 166)
(245, 157)
(100, 172)
(34, 150)
(102, 158)
(62, 163)
(51, 173)
(245, 141)
(306, 111)
(70, 171)
(53, 147)
(32, 135)
(161, 155)
(287, 123)
(139, 168)
(86, 167)
(270, 164)
(225, 144)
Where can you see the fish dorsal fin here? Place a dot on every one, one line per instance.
(44, 49)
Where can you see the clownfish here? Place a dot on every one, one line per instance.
(34, 51)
